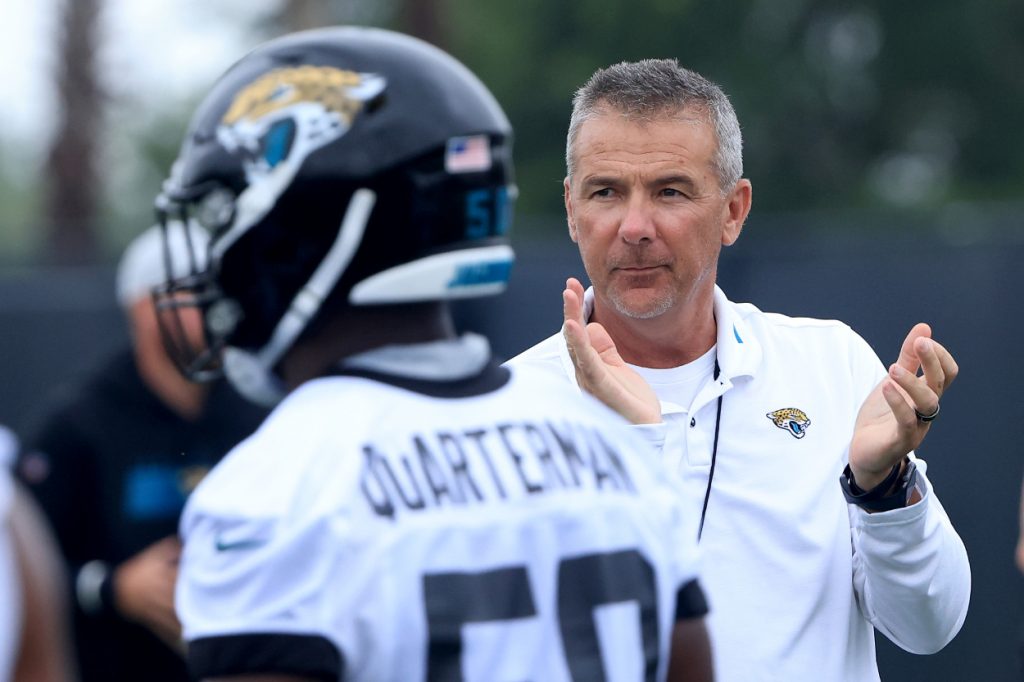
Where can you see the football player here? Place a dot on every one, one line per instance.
(411, 510)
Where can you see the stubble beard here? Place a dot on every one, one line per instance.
(651, 307)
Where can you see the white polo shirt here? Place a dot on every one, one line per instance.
(795, 576)
(403, 521)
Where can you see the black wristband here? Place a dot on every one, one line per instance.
(892, 493)
(93, 588)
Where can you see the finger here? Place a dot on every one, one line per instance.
(574, 284)
(574, 328)
(572, 306)
(949, 367)
(575, 339)
(577, 342)
(908, 354)
(572, 300)
(906, 418)
(934, 375)
(590, 370)
(922, 397)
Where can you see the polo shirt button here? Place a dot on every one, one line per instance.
(693, 422)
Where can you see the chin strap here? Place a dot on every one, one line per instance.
(252, 374)
(253, 381)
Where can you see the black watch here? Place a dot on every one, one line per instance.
(892, 493)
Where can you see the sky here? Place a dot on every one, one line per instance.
(151, 52)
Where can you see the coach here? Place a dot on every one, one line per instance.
(795, 446)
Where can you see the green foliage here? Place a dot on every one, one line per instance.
(147, 144)
(910, 104)
(18, 205)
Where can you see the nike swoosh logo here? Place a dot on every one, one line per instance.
(223, 546)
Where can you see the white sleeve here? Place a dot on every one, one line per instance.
(248, 598)
(911, 572)
(910, 568)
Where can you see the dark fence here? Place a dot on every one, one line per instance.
(968, 283)
(965, 281)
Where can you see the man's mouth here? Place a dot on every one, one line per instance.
(638, 268)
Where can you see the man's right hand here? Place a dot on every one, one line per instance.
(600, 370)
(144, 589)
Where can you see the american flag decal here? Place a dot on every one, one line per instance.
(468, 154)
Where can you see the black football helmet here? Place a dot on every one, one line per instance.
(341, 166)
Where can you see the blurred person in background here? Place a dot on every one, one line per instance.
(111, 467)
(410, 510)
(35, 643)
(794, 443)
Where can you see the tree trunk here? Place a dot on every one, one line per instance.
(425, 19)
(299, 15)
(73, 185)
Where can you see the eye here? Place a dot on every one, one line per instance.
(672, 192)
(603, 192)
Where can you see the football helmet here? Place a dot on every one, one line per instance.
(341, 166)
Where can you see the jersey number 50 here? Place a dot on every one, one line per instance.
(584, 582)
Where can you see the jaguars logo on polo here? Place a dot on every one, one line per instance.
(283, 116)
(792, 420)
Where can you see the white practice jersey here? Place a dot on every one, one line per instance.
(502, 527)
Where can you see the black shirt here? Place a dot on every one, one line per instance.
(111, 467)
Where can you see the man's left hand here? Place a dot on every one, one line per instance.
(889, 425)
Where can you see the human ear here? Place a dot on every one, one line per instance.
(570, 217)
(737, 208)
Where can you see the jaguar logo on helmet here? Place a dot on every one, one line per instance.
(283, 116)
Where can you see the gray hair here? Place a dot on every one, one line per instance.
(652, 88)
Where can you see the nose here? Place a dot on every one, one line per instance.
(637, 225)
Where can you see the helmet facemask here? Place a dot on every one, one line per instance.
(191, 300)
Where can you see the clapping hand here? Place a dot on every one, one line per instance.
(896, 416)
(600, 370)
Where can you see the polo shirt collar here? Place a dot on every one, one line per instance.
(739, 351)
